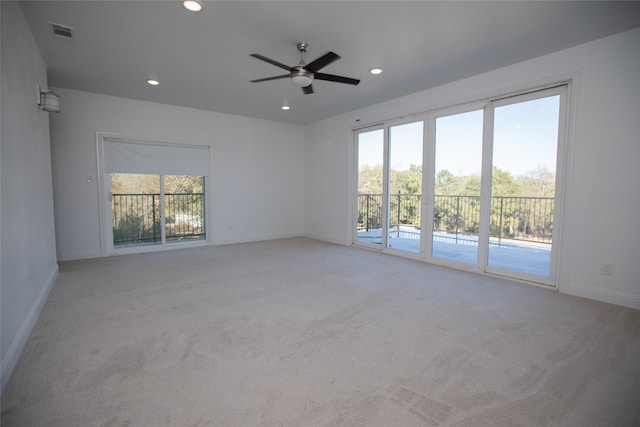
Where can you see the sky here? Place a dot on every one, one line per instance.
(525, 138)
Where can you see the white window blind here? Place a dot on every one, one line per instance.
(123, 156)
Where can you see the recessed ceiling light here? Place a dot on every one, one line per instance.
(192, 5)
(285, 107)
(153, 82)
(375, 70)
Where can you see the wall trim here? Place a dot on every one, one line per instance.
(329, 239)
(15, 350)
(74, 256)
(255, 238)
(624, 299)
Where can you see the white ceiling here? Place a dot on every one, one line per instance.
(202, 59)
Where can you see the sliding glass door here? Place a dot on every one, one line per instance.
(135, 209)
(156, 209)
(523, 182)
(489, 191)
(404, 200)
(389, 183)
(152, 194)
(370, 187)
(456, 186)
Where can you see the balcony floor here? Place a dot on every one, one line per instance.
(515, 256)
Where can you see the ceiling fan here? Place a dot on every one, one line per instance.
(304, 74)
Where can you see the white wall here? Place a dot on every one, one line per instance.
(602, 201)
(257, 176)
(28, 266)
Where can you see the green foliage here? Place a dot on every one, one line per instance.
(129, 183)
(537, 183)
(470, 186)
(503, 184)
(406, 181)
(370, 179)
(183, 184)
(446, 183)
(457, 203)
(136, 207)
(135, 228)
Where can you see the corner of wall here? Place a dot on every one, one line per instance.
(13, 354)
(29, 266)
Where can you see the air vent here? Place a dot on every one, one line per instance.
(62, 31)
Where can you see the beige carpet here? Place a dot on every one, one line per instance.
(298, 332)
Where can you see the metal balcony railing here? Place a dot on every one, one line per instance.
(136, 218)
(528, 219)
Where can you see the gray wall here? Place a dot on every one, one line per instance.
(28, 266)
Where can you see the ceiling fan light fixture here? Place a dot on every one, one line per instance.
(193, 5)
(285, 107)
(375, 71)
(302, 80)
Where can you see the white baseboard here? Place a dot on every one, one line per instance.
(329, 239)
(11, 359)
(74, 256)
(255, 238)
(624, 299)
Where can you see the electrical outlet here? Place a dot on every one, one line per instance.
(607, 269)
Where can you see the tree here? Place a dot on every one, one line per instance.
(446, 183)
(406, 181)
(370, 179)
(538, 183)
(128, 183)
(503, 184)
(471, 185)
(182, 184)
